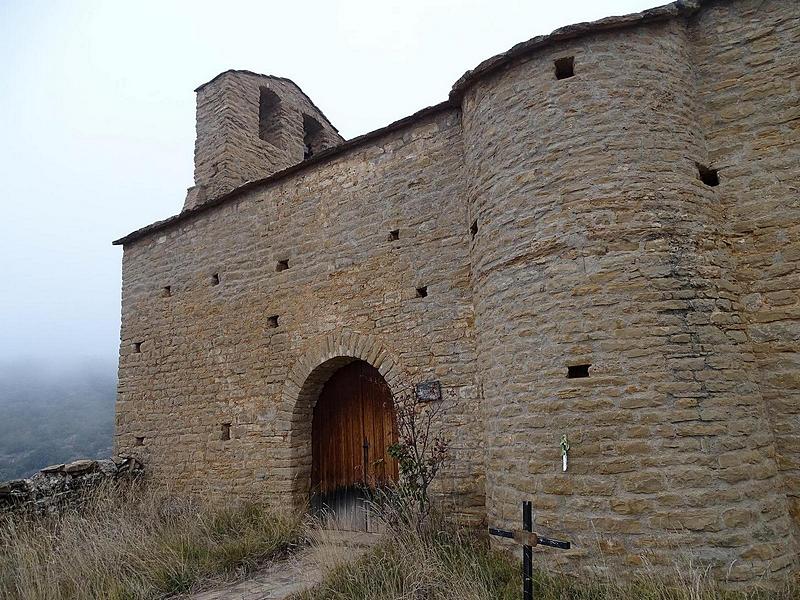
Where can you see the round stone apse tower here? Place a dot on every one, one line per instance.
(606, 311)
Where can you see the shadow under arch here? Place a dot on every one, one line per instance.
(304, 384)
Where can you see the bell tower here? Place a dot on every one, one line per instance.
(250, 126)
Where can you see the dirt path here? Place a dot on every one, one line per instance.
(277, 581)
(294, 574)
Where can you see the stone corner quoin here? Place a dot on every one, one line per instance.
(597, 235)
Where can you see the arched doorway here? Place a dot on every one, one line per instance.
(353, 426)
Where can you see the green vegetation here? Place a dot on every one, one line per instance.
(130, 543)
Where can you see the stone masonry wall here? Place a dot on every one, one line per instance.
(599, 245)
(208, 354)
(229, 151)
(61, 486)
(639, 217)
(748, 75)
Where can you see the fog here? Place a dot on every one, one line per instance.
(97, 122)
(54, 413)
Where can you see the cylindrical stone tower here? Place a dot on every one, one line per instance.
(605, 312)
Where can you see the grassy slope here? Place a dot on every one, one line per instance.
(128, 543)
(132, 544)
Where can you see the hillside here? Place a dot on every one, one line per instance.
(51, 414)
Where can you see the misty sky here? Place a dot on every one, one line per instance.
(97, 120)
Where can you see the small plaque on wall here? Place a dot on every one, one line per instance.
(429, 391)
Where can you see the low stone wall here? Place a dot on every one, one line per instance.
(59, 485)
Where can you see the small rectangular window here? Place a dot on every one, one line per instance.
(137, 347)
(282, 265)
(166, 292)
(577, 371)
(139, 441)
(422, 292)
(226, 431)
(215, 279)
(394, 235)
(565, 67)
(473, 230)
(708, 176)
(272, 321)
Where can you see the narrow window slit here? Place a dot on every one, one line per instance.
(137, 347)
(225, 431)
(215, 279)
(139, 441)
(282, 265)
(394, 235)
(272, 321)
(577, 371)
(473, 230)
(708, 176)
(565, 67)
(422, 292)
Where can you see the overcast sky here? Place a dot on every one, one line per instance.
(97, 120)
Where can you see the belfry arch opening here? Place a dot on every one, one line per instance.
(312, 136)
(353, 425)
(269, 116)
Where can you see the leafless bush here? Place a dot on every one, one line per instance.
(421, 450)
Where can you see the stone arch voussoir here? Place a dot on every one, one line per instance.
(323, 357)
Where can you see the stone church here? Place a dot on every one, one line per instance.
(597, 236)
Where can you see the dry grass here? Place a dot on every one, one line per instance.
(131, 543)
(444, 563)
(330, 548)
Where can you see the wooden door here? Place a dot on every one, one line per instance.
(352, 428)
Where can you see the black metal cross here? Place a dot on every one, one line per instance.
(528, 539)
